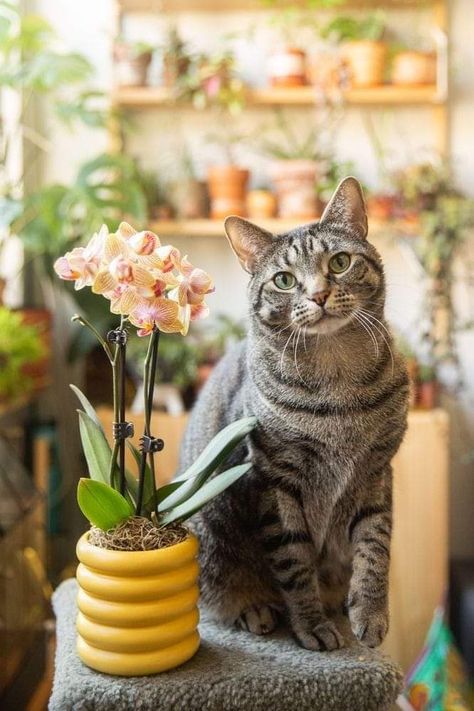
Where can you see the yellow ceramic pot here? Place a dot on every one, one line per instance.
(137, 610)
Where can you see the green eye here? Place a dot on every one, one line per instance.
(339, 262)
(284, 280)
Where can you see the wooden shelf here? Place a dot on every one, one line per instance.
(215, 228)
(157, 97)
(173, 6)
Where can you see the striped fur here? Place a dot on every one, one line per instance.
(308, 529)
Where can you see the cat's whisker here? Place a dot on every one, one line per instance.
(296, 359)
(368, 321)
(369, 331)
(371, 315)
(284, 349)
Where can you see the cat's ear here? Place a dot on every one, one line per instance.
(247, 240)
(347, 208)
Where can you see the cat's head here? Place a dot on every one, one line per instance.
(320, 276)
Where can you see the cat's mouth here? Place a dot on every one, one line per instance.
(326, 323)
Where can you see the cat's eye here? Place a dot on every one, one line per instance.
(339, 262)
(284, 280)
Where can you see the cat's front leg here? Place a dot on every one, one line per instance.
(290, 553)
(370, 533)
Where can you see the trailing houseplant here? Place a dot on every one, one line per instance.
(137, 553)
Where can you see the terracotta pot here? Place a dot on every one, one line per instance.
(261, 204)
(295, 185)
(381, 207)
(366, 62)
(287, 67)
(39, 372)
(414, 68)
(130, 69)
(137, 609)
(191, 199)
(227, 190)
(427, 395)
(174, 69)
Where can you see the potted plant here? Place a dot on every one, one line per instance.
(427, 390)
(295, 169)
(131, 62)
(189, 194)
(138, 570)
(362, 47)
(286, 63)
(413, 68)
(227, 182)
(21, 349)
(261, 203)
(212, 80)
(176, 59)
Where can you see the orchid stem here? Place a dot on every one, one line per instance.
(84, 322)
(149, 375)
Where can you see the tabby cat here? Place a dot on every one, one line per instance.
(308, 529)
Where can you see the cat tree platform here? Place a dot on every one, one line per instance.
(232, 671)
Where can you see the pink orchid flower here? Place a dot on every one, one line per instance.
(160, 313)
(82, 263)
(193, 285)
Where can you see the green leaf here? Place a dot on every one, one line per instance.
(208, 461)
(88, 407)
(101, 505)
(96, 448)
(207, 492)
(98, 453)
(167, 489)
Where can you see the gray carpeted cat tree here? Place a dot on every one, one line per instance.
(232, 671)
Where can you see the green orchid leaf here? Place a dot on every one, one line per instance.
(211, 489)
(208, 461)
(101, 505)
(88, 407)
(96, 448)
(98, 453)
(164, 491)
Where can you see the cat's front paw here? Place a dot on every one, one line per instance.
(369, 626)
(323, 637)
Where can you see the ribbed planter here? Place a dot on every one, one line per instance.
(138, 610)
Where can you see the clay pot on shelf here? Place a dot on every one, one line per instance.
(261, 204)
(295, 183)
(138, 610)
(412, 68)
(412, 368)
(191, 199)
(365, 60)
(286, 67)
(227, 189)
(382, 206)
(130, 65)
(427, 395)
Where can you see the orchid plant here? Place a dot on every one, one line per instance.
(155, 289)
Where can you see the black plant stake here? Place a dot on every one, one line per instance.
(121, 428)
(149, 445)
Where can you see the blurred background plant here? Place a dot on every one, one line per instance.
(20, 346)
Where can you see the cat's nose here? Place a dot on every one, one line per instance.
(320, 297)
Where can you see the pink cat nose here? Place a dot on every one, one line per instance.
(320, 297)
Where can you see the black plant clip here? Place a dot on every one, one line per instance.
(118, 336)
(122, 430)
(151, 444)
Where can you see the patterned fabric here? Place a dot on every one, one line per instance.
(438, 680)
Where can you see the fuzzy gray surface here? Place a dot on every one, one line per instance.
(232, 671)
